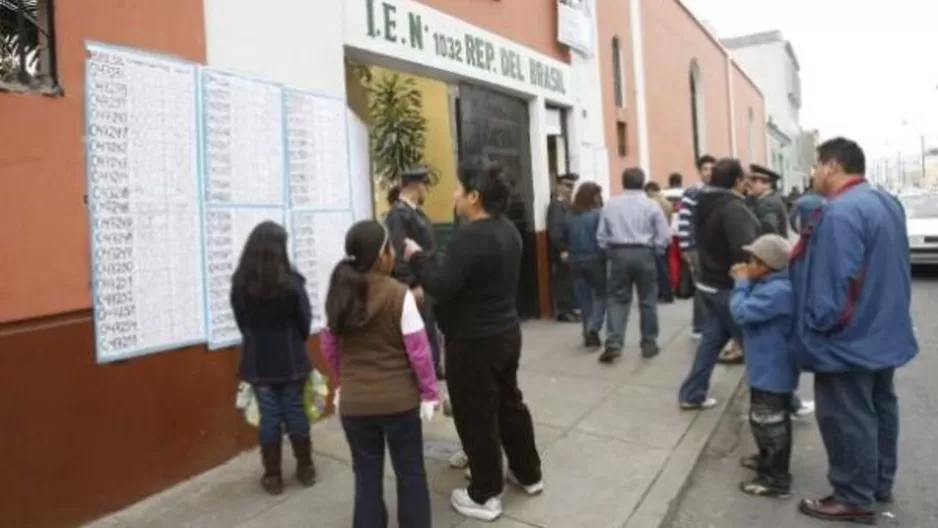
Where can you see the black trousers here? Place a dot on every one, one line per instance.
(489, 411)
(770, 420)
(433, 334)
(562, 282)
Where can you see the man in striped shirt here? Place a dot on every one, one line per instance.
(688, 237)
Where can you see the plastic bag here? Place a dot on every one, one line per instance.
(315, 395)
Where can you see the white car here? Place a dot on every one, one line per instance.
(921, 212)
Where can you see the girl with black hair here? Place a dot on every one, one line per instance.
(376, 344)
(475, 288)
(272, 311)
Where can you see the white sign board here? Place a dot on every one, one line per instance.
(359, 147)
(420, 35)
(317, 151)
(318, 245)
(143, 199)
(575, 25)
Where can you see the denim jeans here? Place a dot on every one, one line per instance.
(628, 268)
(858, 416)
(589, 282)
(281, 404)
(564, 303)
(699, 319)
(664, 278)
(770, 422)
(403, 435)
(718, 329)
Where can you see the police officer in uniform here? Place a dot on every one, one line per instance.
(766, 202)
(562, 280)
(406, 220)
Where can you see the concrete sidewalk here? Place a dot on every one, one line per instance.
(617, 451)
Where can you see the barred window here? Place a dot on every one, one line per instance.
(27, 45)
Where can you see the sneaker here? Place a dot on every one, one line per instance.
(531, 489)
(696, 335)
(806, 409)
(708, 403)
(609, 355)
(650, 351)
(759, 488)
(591, 340)
(459, 460)
(463, 503)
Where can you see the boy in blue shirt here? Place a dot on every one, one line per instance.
(762, 305)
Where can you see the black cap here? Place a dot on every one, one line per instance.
(415, 175)
(761, 172)
(568, 178)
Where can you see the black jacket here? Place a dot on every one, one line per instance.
(274, 335)
(556, 224)
(403, 222)
(772, 214)
(724, 224)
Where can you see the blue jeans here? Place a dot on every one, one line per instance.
(281, 404)
(664, 278)
(699, 319)
(631, 267)
(403, 435)
(718, 329)
(858, 416)
(589, 283)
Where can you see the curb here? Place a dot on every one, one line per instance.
(658, 506)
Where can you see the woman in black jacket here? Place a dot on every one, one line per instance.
(272, 310)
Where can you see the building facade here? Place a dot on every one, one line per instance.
(656, 91)
(673, 93)
(772, 62)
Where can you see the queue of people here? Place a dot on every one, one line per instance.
(835, 305)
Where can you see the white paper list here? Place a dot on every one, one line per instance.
(317, 151)
(318, 245)
(363, 196)
(143, 198)
(243, 145)
(226, 231)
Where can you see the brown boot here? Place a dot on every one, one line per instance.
(272, 481)
(305, 468)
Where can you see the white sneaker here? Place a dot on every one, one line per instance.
(459, 460)
(462, 503)
(806, 409)
(696, 336)
(708, 403)
(532, 489)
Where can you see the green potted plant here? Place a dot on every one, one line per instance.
(398, 128)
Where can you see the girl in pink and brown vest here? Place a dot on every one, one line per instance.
(376, 345)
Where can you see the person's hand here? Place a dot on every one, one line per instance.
(685, 256)
(428, 410)
(411, 248)
(739, 271)
(418, 294)
(564, 256)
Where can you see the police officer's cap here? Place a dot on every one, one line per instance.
(415, 175)
(758, 171)
(569, 178)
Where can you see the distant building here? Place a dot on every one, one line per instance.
(771, 62)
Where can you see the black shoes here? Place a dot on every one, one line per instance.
(591, 340)
(610, 355)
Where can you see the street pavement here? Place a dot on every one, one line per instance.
(616, 449)
(712, 499)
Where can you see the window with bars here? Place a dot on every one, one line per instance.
(27, 45)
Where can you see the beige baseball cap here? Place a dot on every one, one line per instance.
(772, 249)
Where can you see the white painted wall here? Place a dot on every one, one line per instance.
(294, 42)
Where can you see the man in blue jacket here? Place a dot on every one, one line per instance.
(851, 279)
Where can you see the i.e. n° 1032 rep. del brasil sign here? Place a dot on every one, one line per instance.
(413, 32)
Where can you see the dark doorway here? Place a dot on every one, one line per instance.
(495, 127)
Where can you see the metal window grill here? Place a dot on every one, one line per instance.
(27, 47)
